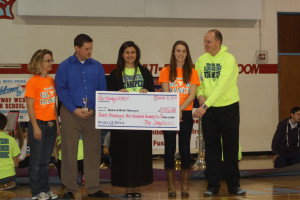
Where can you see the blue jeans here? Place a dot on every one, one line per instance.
(8, 179)
(40, 155)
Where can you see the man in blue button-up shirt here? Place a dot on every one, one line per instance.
(77, 79)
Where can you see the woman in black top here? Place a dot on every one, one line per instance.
(131, 150)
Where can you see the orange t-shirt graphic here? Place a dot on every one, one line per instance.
(178, 85)
(42, 90)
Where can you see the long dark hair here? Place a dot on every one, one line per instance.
(187, 66)
(121, 61)
(20, 135)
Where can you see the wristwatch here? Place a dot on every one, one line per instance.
(204, 106)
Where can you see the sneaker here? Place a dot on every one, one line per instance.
(68, 195)
(237, 191)
(52, 195)
(82, 181)
(41, 196)
(211, 191)
(99, 194)
(7, 186)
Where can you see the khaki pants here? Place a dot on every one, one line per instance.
(72, 127)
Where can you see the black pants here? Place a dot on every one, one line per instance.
(184, 135)
(24, 163)
(217, 122)
(286, 159)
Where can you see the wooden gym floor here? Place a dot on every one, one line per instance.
(266, 188)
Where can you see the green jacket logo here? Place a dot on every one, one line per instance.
(212, 70)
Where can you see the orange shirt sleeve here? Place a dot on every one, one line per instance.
(30, 89)
(164, 75)
(195, 78)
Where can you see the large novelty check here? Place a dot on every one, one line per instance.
(137, 111)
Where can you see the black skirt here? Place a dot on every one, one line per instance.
(131, 152)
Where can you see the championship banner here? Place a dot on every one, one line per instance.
(12, 91)
(137, 111)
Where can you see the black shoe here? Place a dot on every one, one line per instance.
(99, 194)
(237, 191)
(68, 195)
(211, 191)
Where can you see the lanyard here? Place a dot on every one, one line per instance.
(287, 136)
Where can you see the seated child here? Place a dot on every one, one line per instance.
(9, 151)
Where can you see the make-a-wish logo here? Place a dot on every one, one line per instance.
(4, 90)
(6, 9)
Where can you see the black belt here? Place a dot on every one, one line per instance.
(47, 123)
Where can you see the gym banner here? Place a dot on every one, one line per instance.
(12, 91)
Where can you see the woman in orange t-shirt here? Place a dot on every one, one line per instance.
(43, 126)
(181, 77)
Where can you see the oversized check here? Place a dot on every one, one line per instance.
(137, 111)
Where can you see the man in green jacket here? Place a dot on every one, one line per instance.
(218, 97)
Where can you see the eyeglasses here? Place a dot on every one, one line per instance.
(49, 61)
